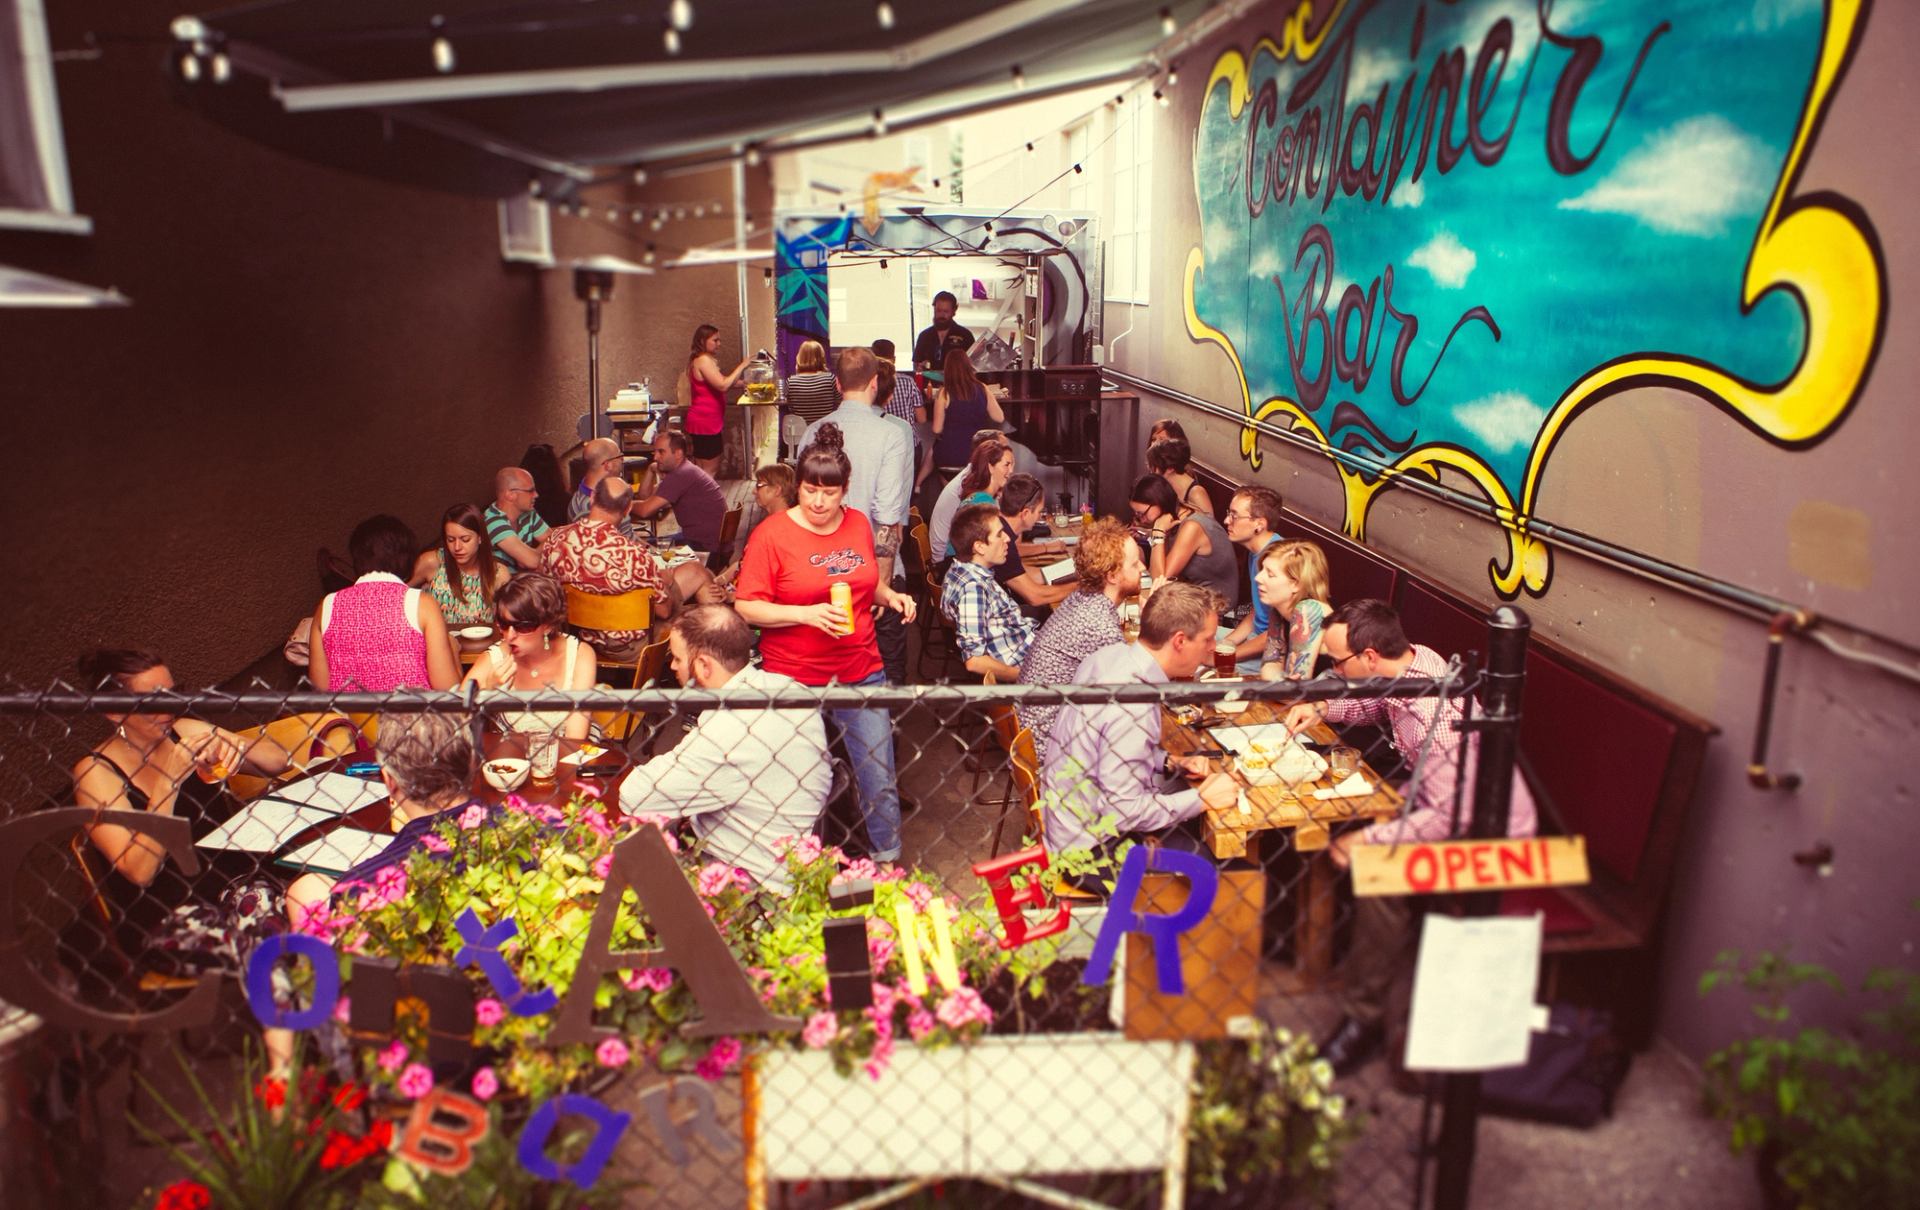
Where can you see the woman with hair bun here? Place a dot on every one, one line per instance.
(796, 563)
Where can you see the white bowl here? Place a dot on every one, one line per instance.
(1232, 707)
(505, 773)
(473, 634)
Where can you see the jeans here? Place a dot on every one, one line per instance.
(869, 739)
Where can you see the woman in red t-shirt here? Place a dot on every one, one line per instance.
(793, 560)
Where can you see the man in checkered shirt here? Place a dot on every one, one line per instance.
(992, 632)
(1364, 639)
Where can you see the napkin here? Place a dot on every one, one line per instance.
(1355, 786)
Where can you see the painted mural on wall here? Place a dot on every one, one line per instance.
(1433, 234)
(1067, 241)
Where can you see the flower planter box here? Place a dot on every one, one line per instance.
(1003, 1107)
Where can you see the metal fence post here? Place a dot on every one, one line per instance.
(1498, 731)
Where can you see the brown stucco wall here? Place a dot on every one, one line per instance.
(1658, 471)
(305, 347)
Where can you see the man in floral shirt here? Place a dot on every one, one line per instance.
(592, 555)
(1108, 564)
(992, 632)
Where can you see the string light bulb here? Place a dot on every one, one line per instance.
(1167, 23)
(1029, 148)
(883, 14)
(442, 55)
(1173, 74)
(637, 214)
(753, 157)
(699, 212)
(670, 38)
(189, 67)
(647, 257)
(879, 122)
(680, 15)
(639, 176)
(1161, 97)
(1019, 79)
(222, 67)
(766, 275)
(613, 213)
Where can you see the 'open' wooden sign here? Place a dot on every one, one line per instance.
(1448, 866)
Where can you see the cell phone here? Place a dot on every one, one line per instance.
(598, 770)
(364, 769)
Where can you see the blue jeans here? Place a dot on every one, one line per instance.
(869, 738)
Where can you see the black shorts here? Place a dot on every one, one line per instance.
(707, 446)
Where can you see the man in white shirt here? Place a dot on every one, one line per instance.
(746, 777)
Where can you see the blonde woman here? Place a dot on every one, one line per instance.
(1292, 583)
(811, 391)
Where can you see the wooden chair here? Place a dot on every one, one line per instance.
(622, 611)
(722, 553)
(936, 630)
(302, 737)
(145, 981)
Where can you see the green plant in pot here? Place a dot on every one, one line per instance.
(1833, 1114)
(1266, 1122)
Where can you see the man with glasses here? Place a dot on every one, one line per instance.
(601, 457)
(1253, 519)
(513, 527)
(1364, 639)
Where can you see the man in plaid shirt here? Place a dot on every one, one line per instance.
(1364, 639)
(993, 634)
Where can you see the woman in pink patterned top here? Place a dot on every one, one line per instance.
(379, 635)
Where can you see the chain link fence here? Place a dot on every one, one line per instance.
(1087, 978)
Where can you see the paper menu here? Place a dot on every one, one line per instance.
(338, 851)
(1473, 989)
(263, 826)
(334, 793)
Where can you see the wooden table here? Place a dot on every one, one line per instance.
(1230, 833)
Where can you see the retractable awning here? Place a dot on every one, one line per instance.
(480, 96)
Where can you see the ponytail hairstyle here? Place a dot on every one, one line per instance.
(825, 462)
(700, 335)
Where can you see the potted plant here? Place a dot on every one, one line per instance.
(1266, 1123)
(1833, 1115)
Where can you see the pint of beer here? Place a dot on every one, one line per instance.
(1224, 660)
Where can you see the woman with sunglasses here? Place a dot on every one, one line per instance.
(794, 561)
(461, 573)
(1183, 542)
(535, 654)
(1292, 583)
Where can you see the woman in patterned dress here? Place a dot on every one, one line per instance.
(1292, 581)
(463, 546)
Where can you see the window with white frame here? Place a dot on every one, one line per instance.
(1130, 216)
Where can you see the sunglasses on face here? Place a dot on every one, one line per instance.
(520, 627)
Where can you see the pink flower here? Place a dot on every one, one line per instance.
(876, 1064)
(597, 821)
(919, 1023)
(661, 822)
(803, 849)
(708, 1070)
(342, 1009)
(516, 803)
(820, 1030)
(726, 1051)
(856, 870)
(612, 1053)
(883, 1000)
(603, 866)
(393, 1056)
(880, 947)
(416, 1081)
(962, 1007)
(433, 844)
(653, 978)
(548, 814)
(920, 893)
(714, 878)
(389, 885)
(489, 1011)
(473, 817)
(317, 921)
(589, 791)
(882, 1024)
(485, 1084)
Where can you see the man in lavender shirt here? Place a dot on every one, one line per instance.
(1364, 639)
(1105, 758)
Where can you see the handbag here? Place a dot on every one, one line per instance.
(1573, 1069)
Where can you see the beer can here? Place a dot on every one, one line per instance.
(841, 594)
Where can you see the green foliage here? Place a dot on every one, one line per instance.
(1840, 1109)
(1265, 1118)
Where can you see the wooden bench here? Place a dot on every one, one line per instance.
(1606, 760)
